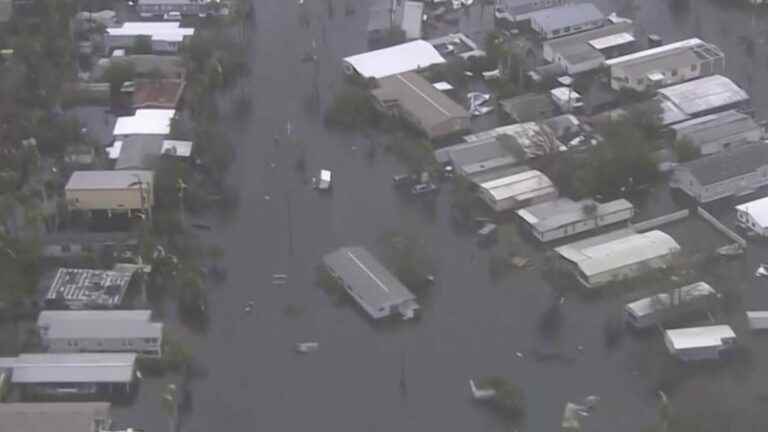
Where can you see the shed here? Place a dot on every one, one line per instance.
(377, 290)
(58, 416)
(757, 320)
(517, 190)
(699, 343)
(716, 132)
(110, 190)
(667, 306)
(565, 20)
(393, 60)
(753, 216)
(418, 102)
(101, 331)
(736, 171)
(564, 217)
(618, 255)
(145, 122)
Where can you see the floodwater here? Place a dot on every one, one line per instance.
(470, 326)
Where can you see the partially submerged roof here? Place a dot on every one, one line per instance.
(367, 277)
(56, 416)
(157, 93)
(666, 300)
(727, 164)
(569, 15)
(98, 325)
(419, 98)
(699, 337)
(55, 368)
(757, 210)
(714, 127)
(520, 186)
(617, 249)
(145, 121)
(89, 288)
(109, 180)
(169, 31)
(704, 94)
(396, 59)
(564, 211)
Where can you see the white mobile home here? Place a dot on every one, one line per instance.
(564, 217)
(566, 20)
(699, 343)
(517, 190)
(393, 60)
(666, 65)
(101, 331)
(588, 50)
(618, 255)
(753, 216)
(657, 309)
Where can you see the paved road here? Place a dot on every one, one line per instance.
(470, 327)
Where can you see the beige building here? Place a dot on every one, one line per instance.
(110, 190)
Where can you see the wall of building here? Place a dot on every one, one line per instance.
(127, 42)
(636, 79)
(582, 226)
(148, 347)
(746, 221)
(716, 146)
(566, 30)
(150, 9)
(512, 203)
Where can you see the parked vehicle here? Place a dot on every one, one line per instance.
(423, 188)
(402, 180)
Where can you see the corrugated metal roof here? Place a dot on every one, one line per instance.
(395, 59)
(714, 127)
(617, 249)
(563, 16)
(55, 416)
(704, 94)
(521, 186)
(699, 337)
(372, 283)
(654, 53)
(564, 211)
(681, 296)
(727, 164)
(757, 210)
(74, 368)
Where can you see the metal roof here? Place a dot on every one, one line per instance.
(395, 59)
(584, 38)
(88, 288)
(654, 53)
(758, 320)
(56, 416)
(704, 94)
(371, 282)
(98, 325)
(478, 155)
(160, 31)
(564, 211)
(579, 53)
(533, 138)
(682, 295)
(727, 164)
(74, 368)
(521, 186)
(714, 127)
(699, 337)
(108, 180)
(757, 210)
(563, 16)
(419, 98)
(145, 121)
(617, 249)
(611, 41)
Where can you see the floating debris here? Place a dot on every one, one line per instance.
(762, 270)
(481, 394)
(307, 347)
(518, 354)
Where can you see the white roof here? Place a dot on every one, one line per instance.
(74, 368)
(648, 54)
(395, 59)
(564, 93)
(163, 31)
(704, 94)
(563, 16)
(48, 316)
(108, 179)
(443, 86)
(101, 324)
(617, 249)
(757, 210)
(177, 148)
(688, 293)
(611, 41)
(758, 320)
(521, 186)
(145, 121)
(699, 337)
(113, 152)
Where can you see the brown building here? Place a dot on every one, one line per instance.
(157, 93)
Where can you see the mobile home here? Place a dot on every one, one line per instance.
(699, 343)
(657, 309)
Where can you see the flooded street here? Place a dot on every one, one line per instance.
(470, 326)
